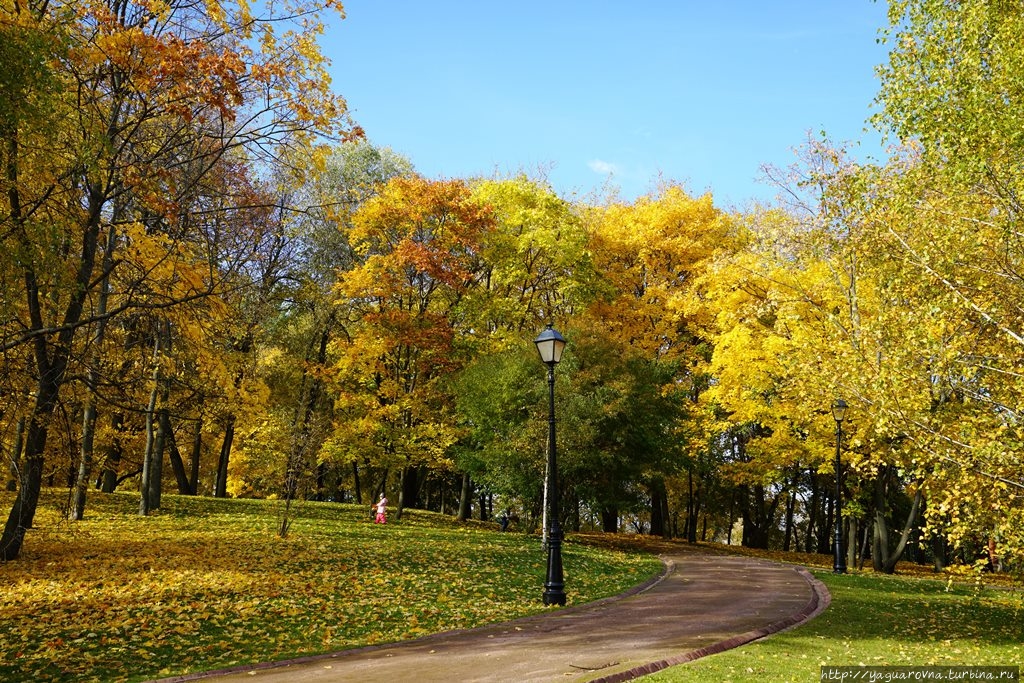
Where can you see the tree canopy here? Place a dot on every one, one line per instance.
(210, 267)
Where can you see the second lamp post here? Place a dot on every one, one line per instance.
(550, 345)
(839, 563)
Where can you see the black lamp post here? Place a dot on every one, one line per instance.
(839, 563)
(550, 345)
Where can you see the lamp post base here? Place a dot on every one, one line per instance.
(839, 565)
(554, 595)
(554, 587)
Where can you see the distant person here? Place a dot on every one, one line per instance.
(382, 510)
(994, 564)
(503, 520)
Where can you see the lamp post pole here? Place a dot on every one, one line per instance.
(550, 345)
(554, 586)
(839, 562)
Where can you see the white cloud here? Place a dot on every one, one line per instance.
(604, 167)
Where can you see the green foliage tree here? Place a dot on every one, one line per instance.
(500, 399)
(620, 426)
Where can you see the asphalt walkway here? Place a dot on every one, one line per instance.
(703, 603)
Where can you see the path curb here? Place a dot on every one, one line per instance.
(820, 600)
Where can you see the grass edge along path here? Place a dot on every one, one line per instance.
(206, 584)
(875, 620)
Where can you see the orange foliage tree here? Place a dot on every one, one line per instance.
(418, 243)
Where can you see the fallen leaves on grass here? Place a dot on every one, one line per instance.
(118, 597)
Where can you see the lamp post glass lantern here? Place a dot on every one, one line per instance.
(550, 345)
(839, 562)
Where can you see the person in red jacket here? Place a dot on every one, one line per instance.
(382, 510)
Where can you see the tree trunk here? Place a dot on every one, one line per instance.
(610, 519)
(51, 357)
(692, 508)
(939, 555)
(320, 482)
(732, 517)
(85, 455)
(220, 486)
(89, 412)
(381, 487)
(889, 563)
(163, 426)
(19, 446)
(147, 485)
(826, 509)
(812, 513)
(758, 516)
(23, 510)
(292, 472)
(573, 522)
(197, 451)
(177, 463)
(659, 507)
(790, 511)
(464, 498)
(880, 542)
(113, 459)
(864, 545)
(355, 482)
(411, 481)
(851, 542)
(30, 482)
(753, 535)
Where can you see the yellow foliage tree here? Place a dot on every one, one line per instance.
(650, 253)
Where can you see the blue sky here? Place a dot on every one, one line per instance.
(700, 93)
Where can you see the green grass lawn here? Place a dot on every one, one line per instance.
(119, 597)
(879, 620)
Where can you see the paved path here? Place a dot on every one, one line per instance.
(702, 604)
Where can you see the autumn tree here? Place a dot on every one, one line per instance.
(649, 254)
(951, 90)
(821, 303)
(535, 269)
(804, 317)
(537, 266)
(418, 243)
(148, 99)
(304, 330)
